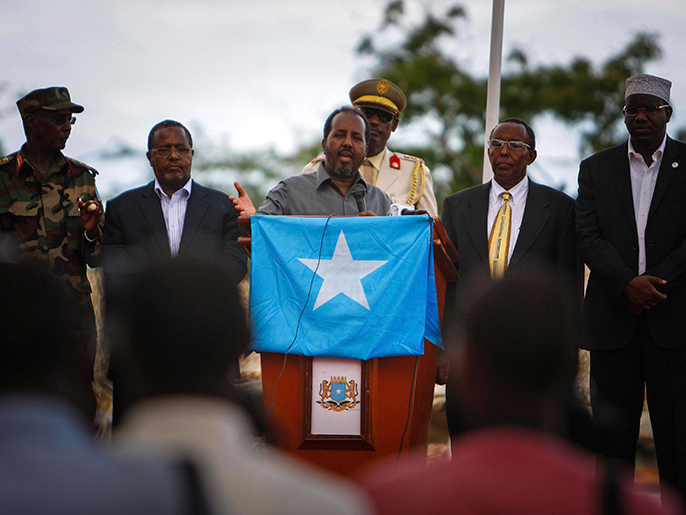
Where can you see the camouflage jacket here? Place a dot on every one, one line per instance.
(44, 221)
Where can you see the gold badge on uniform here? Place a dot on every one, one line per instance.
(382, 87)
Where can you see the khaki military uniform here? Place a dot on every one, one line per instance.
(42, 221)
(404, 178)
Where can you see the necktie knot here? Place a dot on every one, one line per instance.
(506, 196)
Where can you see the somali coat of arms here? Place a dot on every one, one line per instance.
(338, 394)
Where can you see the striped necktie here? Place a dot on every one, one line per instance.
(499, 240)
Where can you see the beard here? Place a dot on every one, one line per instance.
(343, 173)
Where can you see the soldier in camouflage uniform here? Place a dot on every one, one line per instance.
(50, 213)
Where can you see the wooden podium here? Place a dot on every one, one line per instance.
(396, 394)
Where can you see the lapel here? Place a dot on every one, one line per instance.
(536, 215)
(152, 210)
(476, 219)
(195, 212)
(666, 174)
(622, 177)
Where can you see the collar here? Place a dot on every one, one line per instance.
(378, 158)
(60, 161)
(517, 191)
(323, 176)
(186, 188)
(657, 155)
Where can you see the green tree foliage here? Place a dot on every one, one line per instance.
(451, 102)
(216, 165)
(257, 171)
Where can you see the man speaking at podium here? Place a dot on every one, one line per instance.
(404, 178)
(310, 275)
(336, 187)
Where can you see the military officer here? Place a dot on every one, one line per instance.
(50, 213)
(405, 179)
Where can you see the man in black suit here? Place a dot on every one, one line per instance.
(631, 228)
(171, 216)
(541, 228)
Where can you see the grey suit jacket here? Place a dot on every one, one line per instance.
(546, 238)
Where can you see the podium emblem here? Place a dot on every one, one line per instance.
(338, 394)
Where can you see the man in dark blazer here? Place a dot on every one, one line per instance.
(171, 216)
(542, 228)
(631, 228)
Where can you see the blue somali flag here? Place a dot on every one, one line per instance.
(359, 288)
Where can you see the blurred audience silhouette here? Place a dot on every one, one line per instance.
(178, 330)
(515, 356)
(49, 462)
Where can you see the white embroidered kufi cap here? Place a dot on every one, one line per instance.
(645, 84)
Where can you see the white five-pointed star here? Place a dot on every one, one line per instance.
(342, 274)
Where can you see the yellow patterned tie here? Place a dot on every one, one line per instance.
(499, 241)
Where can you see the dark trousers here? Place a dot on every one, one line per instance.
(618, 379)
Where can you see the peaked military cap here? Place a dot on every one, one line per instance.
(50, 99)
(380, 94)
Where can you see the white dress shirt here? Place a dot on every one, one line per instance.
(372, 165)
(643, 179)
(518, 194)
(174, 211)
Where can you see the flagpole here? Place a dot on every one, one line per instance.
(494, 72)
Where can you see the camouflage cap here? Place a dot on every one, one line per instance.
(380, 94)
(51, 99)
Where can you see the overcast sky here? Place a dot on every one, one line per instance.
(267, 72)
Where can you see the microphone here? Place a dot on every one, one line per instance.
(359, 192)
(399, 208)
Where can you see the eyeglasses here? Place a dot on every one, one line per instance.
(513, 145)
(166, 151)
(383, 116)
(60, 119)
(649, 111)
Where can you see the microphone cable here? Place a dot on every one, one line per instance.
(409, 409)
(302, 312)
(416, 365)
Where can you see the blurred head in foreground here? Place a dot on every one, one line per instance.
(39, 347)
(182, 326)
(516, 353)
(515, 358)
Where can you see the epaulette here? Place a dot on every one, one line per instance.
(92, 170)
(412, 158)
(7, 159)
(317, 159)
